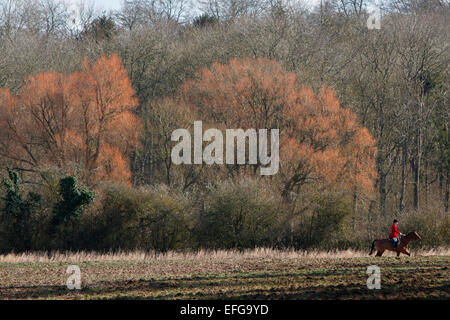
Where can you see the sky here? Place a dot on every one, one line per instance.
(101, 4)
(108, 5)
(113, 5)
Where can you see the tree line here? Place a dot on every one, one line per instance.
(363, 121)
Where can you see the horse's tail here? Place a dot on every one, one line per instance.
(373, 247)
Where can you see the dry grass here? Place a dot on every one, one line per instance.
(253, 274)
(263, 253)
(230, 275)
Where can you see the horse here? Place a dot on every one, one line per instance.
(385, 244)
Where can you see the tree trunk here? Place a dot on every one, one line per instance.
(354, 204)
(415, 163)
(381, 182)
(403, 182)
(447, 191)
(382, 191)
(415, 169)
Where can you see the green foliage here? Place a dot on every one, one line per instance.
(13, 199)
(17, 214)
(73, 200)
(101, 28)
(204, 20)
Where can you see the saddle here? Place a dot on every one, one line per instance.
(393, 242)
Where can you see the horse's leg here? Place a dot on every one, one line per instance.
(398, 253)
(379, 253)
(406, 252)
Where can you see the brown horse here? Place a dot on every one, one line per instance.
(385, 244)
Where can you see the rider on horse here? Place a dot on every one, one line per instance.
(395, 234)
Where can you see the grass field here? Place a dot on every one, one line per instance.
(258, 274)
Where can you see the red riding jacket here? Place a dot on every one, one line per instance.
(394, 232)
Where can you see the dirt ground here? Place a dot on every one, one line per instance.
(230, 276)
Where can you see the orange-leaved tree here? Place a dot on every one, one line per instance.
(320, 140)
(83, 120)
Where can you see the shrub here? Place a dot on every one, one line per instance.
(238, 215)
(322, 226)
(16, 220)
(150, 219)
(73, 200)
(63, 226)
(432, 226)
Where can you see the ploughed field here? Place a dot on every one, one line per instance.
(226, 275)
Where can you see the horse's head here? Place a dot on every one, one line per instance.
(416, 236)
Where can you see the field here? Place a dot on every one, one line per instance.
(257, 274)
